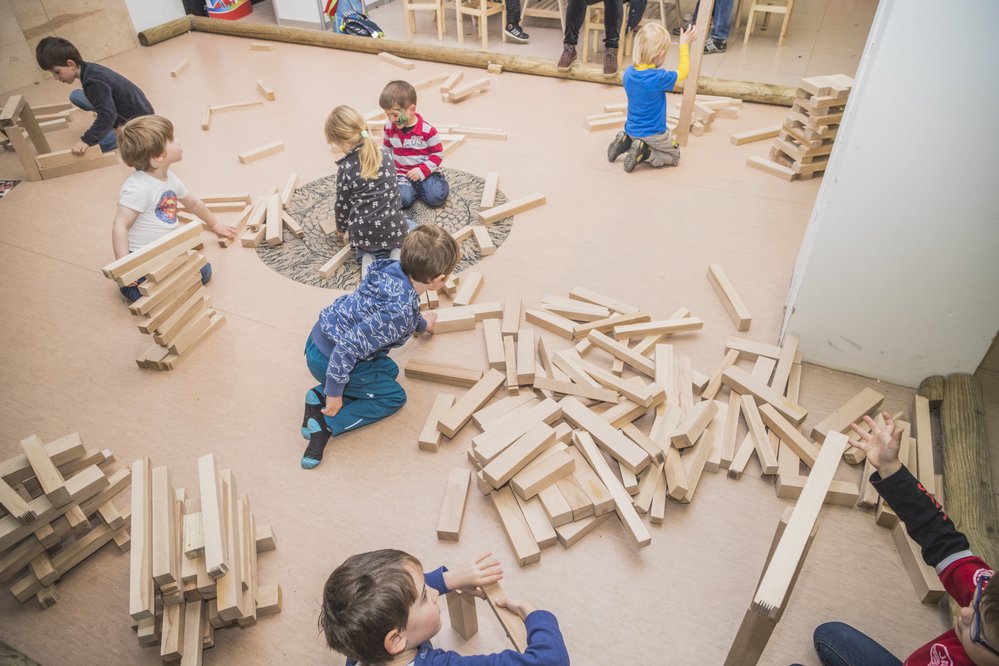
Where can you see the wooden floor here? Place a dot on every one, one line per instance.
(647, 238)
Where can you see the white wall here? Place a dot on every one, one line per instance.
(297, 11)
(149, 13)
(898, 275)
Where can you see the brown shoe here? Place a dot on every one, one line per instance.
(610, 62)
(568, 57)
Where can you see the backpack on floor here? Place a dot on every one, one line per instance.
(356, 23)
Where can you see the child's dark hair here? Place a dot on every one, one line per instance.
(143, 138)
(365, 598)
(428, 252)
(397, 93)
(55, 51)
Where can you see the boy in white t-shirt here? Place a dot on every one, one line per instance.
(147, 205)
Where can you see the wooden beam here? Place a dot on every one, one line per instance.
(743, 383)
(260, 152)
(511, 208)
(216, 552)
(755, 135)
(430, 436)
(48, 475)
(444, 373)
(461, 611)
(513, 626)
(610, 439)
(141, 590)
(453, 509)
(636, 530)
(471, 401)
(664, 327)
(865, 402)
(737, 310)
(515, 526)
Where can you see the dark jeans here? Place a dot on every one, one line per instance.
(132, 293)
(371, 394)
(839, 644)
(79, 99)
(513, 12)
(575, 14)
(432, 190)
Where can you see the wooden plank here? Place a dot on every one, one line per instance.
(743, 383)
(574, 310)
(172, 637)
(737, 310)
(925, 471)
(693, 424)
(772, 168)
(579, 390)
(592, 485)
(525, 356)
(48, 475)
(621, 351)
(443, 373)
(865, 402)
(473, 400)
(751, 350)
(542, 472)
(402, 63)
(235, 106)
(274, 224)
(179, 237)
(489, 444)
(647, 484)
(269, 599)
(164, 527)
(515, 457)
(555, 505)
(461, 611)
(683, 128)
(468, 288)
(537, 521)
(489, 190)
(789, 435)
(466, 90)
(429, 439)
(590, 296)
(216, 551)
(657, 512)
(260, 152)
(487, 417)
(775, 585)
(610, 439)
(571, 533)
(141, 590)
(638, 392)
(453, 509)
(511, 208)
(486, 245)
(229, 586)
(663, 327)
(193, 646)
(513, 626)
(15, 504)
(755, 135)
(925, 582)
(637, 532)
(492, 330)
(551, 322)
(515, 527)
(336, 261)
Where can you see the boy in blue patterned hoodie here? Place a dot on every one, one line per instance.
(347, 351)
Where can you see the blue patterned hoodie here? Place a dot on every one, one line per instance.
(381, 314)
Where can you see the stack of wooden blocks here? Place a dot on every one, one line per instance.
(58, 511)
(706, 109)
(175, 308)
(805, 141)
(26, 135)
(194, 563)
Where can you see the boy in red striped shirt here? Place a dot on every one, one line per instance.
(415, 146)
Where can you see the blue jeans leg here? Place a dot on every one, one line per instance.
(839, 644)
(407, 192)
(434, 190)
(721, 20)
(79, 99)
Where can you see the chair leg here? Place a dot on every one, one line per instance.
(749, 24)
(787, 22)
(503, 24)
(461, 27)
(561, 14)
(440, 22)
(410, 23)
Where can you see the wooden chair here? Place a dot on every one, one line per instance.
(479, 10)
(767, 10)
(549, 9)
(655, 10)
(410, 7)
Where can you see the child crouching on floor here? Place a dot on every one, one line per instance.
(379, 607)
(645, 137)
(367, 209)
(347, 350)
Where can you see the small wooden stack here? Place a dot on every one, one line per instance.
(57, 511)
(175, 308)
(194, 562)
(805, 141)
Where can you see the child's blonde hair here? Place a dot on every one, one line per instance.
(650, 40)
(143, 138)
(345, 125)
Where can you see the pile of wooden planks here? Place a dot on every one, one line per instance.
(175, 308)
(57, 510)
(193, 565)
(706, 109)
(26, 135)
(805, 141)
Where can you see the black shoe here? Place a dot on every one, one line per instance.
(514, 32)
(610, 62)
(619, 146)
(684, 24)
(714, 46)
(638, 153)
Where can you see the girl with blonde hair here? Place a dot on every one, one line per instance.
(368, 209)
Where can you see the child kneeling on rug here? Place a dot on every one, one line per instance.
(380, 608)
(367, 207)
(347, 351)
(645, 137)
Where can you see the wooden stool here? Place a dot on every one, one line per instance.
(767, 10)
(410, 7)
(479, 10)
(594, 23)
(550, 9)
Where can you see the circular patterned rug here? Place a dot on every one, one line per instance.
(312, 206)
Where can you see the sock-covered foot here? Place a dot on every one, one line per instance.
(317, 444)
(313, 410)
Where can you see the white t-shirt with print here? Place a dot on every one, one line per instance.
(156, 202)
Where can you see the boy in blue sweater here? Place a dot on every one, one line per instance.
(347, 351)
(379, 608)
(115, 99)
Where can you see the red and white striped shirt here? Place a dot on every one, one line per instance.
(416, 147)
